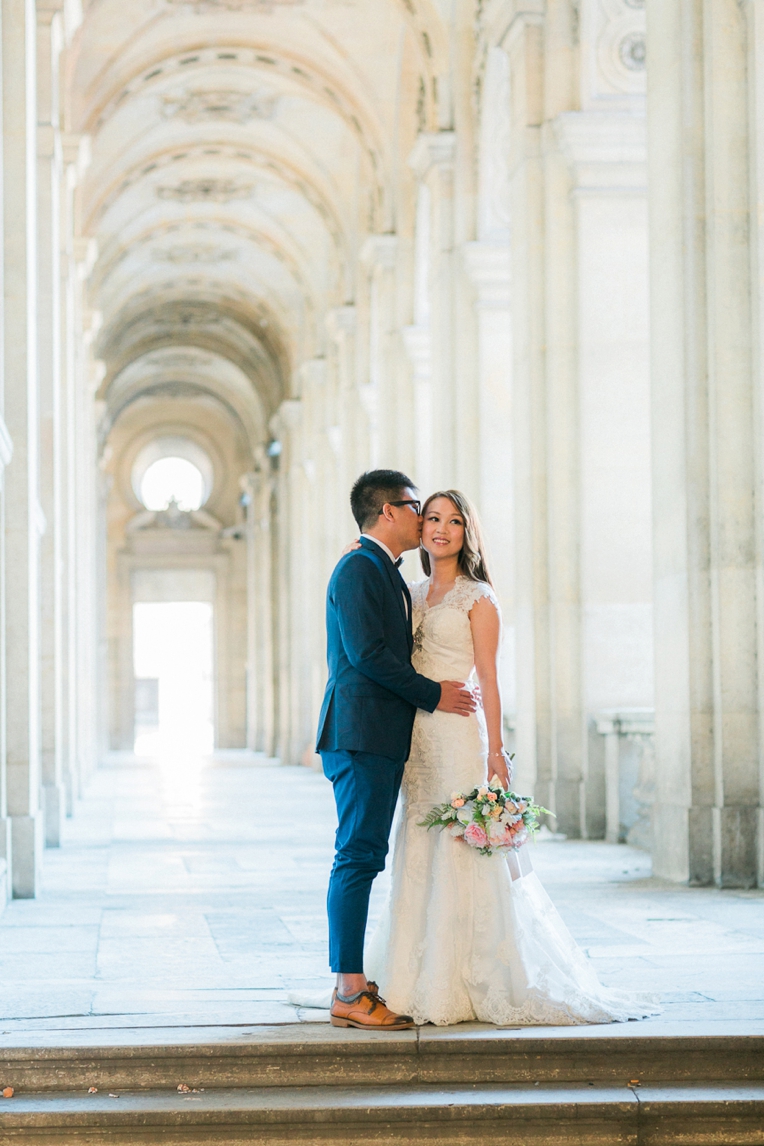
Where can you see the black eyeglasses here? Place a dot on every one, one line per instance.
(416, 504)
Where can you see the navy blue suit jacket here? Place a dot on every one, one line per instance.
(373, 692)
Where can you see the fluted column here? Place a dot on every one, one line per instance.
(534, 696)
(702, 104)
(394, 426)
(488, 267)
(24, 520)
(432, 161)
(49, 175)
(6, 453)
(76, 261)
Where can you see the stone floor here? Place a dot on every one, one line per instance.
(193, 896)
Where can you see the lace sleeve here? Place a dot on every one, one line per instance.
(418, 591)
(468, 592)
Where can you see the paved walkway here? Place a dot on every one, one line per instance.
(194, 897)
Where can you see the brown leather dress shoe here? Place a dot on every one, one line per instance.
(367, 1011)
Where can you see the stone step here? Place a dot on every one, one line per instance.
(297, 1056)
(549, 1113)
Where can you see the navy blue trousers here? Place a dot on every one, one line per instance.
(365, 791)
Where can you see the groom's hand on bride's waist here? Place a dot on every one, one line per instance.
(456, 697)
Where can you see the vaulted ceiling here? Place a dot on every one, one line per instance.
(241, 152)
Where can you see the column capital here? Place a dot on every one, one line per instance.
(606, 151)
(498, 17)
(380, 251)
(76, 149)
(432, 149)
(85, 252)
(312, 373)
(287, 416)
(6, 445)
(71, 13)
(417, 341)
(489, 269)
(250, 483)
(47, 10)
(48, 141)
(341, 322)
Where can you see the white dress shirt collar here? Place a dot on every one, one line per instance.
(381, 545)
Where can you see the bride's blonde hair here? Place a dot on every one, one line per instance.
(472, 558)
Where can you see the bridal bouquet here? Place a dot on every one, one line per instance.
(487, 818)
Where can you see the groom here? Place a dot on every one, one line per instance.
(364, 731)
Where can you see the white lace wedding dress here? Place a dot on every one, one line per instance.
(466, 936)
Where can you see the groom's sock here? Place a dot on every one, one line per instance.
(349, 998)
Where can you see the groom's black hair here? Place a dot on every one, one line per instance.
(372, 490)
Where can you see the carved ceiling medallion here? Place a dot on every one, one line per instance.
(235, 5)
(194, 253)
(207, 190)
(222, 104)
(178, 360)
(633, 52)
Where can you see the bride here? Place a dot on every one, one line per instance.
(466, 936)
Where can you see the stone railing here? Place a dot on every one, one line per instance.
(629, 773)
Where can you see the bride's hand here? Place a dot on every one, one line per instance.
(349, 548)
(501, 768)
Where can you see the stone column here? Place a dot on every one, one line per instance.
(488, 268)
(90, 538)
(6, 453)
(754, 10)
(417, 343)
(24, 521)
(432, 161)
(49, 174)
(356, 413)
(706, 441)
(286, 579)
(260, 609)
(551, 742)
(379, 254)
(249, 483)
(76, 262)
(605, 155)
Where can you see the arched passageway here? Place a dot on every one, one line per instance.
(282, 241)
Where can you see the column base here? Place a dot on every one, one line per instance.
(26, 853)
(671, 842)
(701, 846)
(5, 855)
(568, 801)
(53, 812)
(735, 846)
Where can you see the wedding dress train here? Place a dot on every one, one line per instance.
(466, 936)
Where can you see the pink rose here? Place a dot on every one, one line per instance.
(457, 803)
(475, 836)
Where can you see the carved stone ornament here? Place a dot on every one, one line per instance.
(207, 190)
(235, 5)
(615, 53)
(221, 104)
(633, 52)
(189, 314)
(194, 253)
(178, 360)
